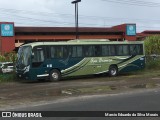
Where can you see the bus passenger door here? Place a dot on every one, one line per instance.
(38, 61)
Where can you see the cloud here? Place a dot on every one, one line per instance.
(97, 13)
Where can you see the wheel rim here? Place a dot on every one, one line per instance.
(55, 76)
(113, 71)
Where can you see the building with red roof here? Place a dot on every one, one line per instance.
(11, 37)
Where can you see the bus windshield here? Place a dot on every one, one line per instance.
(24, 56)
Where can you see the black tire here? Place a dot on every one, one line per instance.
(113, 71)
(55, 75)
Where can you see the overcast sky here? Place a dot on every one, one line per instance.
(92, 13)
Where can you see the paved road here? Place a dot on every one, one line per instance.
(140, 100)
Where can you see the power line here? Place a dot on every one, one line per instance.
(135, 2)
(14, 11)
(48, 21)
(30, 20)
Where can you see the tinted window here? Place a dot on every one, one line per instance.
(59, 51)
(76, 51)
(122, 50)
(136, 49)
(105, 50)
(97, 50)
(79, 51)
(38, 54)
(108, 50)
(89, 52)
(112, 50)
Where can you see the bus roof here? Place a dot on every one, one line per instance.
(84, 42)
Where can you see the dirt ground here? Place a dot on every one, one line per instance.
(23, 93)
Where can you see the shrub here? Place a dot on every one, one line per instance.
(8, 57)
(152, 51)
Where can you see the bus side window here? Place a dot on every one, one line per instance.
(112, 50)
(76, 51)
(59, 52)
(140, 49)
(125, 50)
(122, 50)
(53, 52)
(38, 56)
(105, 50)
(65, 52)
(89, 51)
(70, 53)
(97, 50)
(79, 51)
(136, 50)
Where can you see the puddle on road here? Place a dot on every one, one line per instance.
(156, 78)
(2, 98)
(85, 90)
(138, 86)
(95, 89)
(49, 92)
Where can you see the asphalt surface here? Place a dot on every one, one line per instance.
(139, 100)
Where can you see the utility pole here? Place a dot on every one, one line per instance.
(76, 17)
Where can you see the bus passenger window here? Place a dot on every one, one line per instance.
(76, 51)
(139, 50)
(122, 50)
(133, 50)
(89, 51)
(97, 50)
(105, 50)
(59, 52)
(65, 52)
(38, 55)
(112, 50)
(125, 50)
(53, 52)
(79, 51)
(136, 49)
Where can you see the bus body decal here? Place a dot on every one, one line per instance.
(44, 75)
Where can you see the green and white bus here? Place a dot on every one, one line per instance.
(55, 60)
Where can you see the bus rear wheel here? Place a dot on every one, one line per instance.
(55, 75)
(113, 71)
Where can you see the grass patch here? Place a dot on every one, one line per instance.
(153, 64)
(144, 73)
(7, 77)
(151, 85)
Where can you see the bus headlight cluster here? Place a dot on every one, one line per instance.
(26, 69)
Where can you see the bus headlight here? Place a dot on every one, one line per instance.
(26, 69)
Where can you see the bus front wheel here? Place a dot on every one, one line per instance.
(55, 75)
(113, 71)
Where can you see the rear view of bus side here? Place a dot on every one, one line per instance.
(55, 60)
